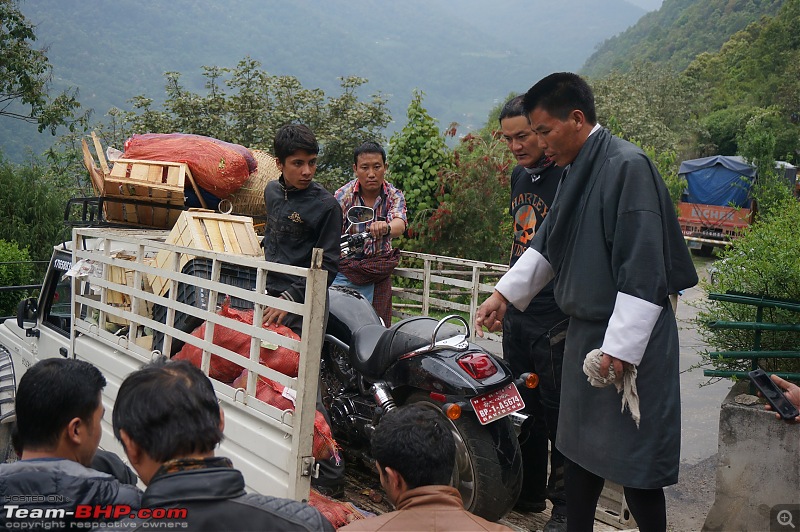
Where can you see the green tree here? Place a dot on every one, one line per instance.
(471, 220)
(348, 123)
(32, 207)
(653, 106)
(245, 105)
(675, 34)
(15, 270)
(26, 74)
(755, 76)
(757, 144)
(417, 156)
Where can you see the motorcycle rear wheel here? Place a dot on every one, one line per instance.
(488, 469)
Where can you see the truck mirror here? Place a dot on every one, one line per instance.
(27, 313)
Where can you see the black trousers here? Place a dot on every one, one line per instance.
(535, 343)
(648, 506)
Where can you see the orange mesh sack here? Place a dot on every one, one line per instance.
(324, 445)
(218, 167)
(277, 357)
(338, 513)
(267, 390)
(280, 359)
(220, 368)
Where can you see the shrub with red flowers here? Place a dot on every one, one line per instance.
(471, 220)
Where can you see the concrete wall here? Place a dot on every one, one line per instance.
(758, 466)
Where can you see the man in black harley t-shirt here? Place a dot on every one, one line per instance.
(533, 340)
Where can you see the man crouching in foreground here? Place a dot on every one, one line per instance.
(415, 455)
(169, 421)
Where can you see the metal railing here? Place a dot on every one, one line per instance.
(758, 326)
(424, 284)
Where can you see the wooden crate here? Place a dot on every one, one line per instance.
(125, 276)
(159, 182)
(210, 231)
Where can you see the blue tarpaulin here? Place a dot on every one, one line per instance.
(718, 180)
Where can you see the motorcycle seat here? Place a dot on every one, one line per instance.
(375, 347)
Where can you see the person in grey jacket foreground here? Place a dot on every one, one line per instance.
(58, 412)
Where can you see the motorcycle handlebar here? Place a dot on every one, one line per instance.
(350, 242)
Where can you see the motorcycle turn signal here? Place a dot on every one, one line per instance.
(452, 411)
(528, 380)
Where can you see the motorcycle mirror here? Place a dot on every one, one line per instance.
(360, 215)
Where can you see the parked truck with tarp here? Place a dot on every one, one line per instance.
(717, 203)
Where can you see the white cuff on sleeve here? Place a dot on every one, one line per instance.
(525, 279)
(629, 328)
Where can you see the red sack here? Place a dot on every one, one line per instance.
(281, 359)
(338, 513)
(324, 445)
(218, 167)
(220, 368)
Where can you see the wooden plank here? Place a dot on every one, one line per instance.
(101, 157)
(214, 233)
(228, 231)
(88, 162)
(196, 189)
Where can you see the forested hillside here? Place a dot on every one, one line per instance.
(752, 87)
(675, 34)
(463, 55)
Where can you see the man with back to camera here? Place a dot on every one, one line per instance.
(613, 244)
(533, 339)
(415, 455)
(58, 412)
(169, 421)
(370, 272)
(301, 216)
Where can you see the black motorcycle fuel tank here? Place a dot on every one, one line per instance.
(347, 312)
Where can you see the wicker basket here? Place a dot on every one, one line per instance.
(249, 199)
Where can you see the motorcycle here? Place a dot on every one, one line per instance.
(368, 369)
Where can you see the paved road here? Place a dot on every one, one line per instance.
(700, 405)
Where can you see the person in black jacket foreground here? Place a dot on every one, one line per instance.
(301, 216)
(168, 419)
(58, 409)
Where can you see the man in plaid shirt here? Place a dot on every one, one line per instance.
(369, 271)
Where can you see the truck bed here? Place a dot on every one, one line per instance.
(113, 326)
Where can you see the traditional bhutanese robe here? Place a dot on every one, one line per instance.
(613, 244)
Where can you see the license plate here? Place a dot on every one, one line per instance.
(499, 403)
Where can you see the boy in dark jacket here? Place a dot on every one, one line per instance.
(301, 216)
